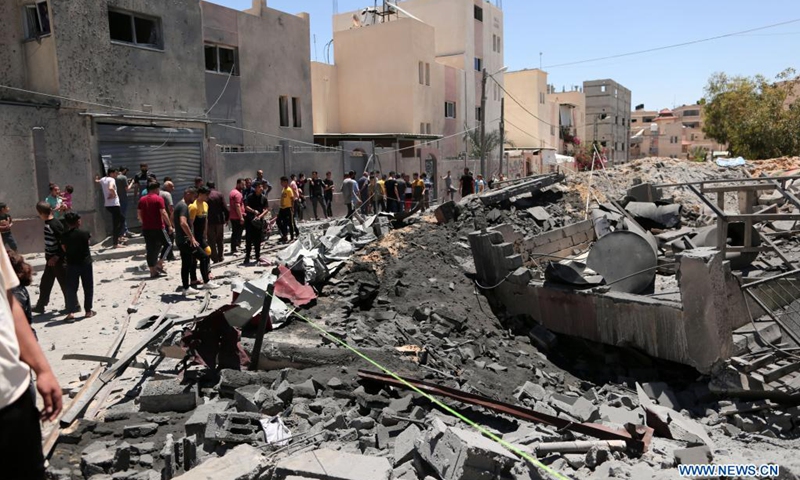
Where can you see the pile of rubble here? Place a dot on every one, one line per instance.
(409, 300)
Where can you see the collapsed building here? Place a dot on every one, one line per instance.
(485, 341)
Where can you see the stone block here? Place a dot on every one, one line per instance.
(97, 462)
(196, 424)
(307, 389)
(619, 416)
(189, 452)
(660, 392)
(167, 396)
(363, 423)
(404, 444)
(530, 390)
(234, 428)
(253, 398)
(693, 455)
(457, 454)
(139, 430)
(402, 404)
(230, 380)
(241, 463)
(333, 465)
(122, 457)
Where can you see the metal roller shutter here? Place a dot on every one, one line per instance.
(172, 152)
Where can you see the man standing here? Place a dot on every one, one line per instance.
(217, 217)
(316, 187)
(255, 207)
(198, 216)
(123, 187)
(140, 181)
(20, 431)
(390, 186)
(328, 190)
(236, 214)
(111, 202)
(184, 239)
(166, 194)
(417, 192)
(248, 189)
(154, 219)
(466, 183)
(351, 196)
(448, 186)
(426, 197)
(75, 243)
(265, 185)
(54, 268)
(285, 214)
(401, 192)
(363, 191)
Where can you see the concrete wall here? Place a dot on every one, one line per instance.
(528, 87)
(325, 97)
(696, 332)
(577, 101)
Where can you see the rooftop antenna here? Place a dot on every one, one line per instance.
(540, 60)
(315, 48)
(335, 7)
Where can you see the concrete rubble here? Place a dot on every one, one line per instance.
(458, 298)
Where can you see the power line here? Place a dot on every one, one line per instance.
(676, 45)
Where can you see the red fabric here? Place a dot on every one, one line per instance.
(150, 207)
(288, 288)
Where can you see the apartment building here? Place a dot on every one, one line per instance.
(608, 109)
(674, 133)
(423, 62)
(91, 84)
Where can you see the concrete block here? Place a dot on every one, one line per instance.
(404, 444)
(693, 455)
(660, 392)
(241, 463)
(363, 423)
(307, 389)
(139, 430)
(167, 396)
(196, 424)
(576, 228)
(333, 465)
(122, 457)
(253, 398)
(403, 404)
(97, 462)
(335, 384)
(381, 437)
(530, 390)
(538, 213)
(619, 416)
(446, 212)
(459, 454)
(189, 452)
(230, 380)
(234, 428)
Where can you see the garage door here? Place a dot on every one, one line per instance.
(169, 152)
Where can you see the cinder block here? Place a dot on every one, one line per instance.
(459, 454)
(167, 396)
(581, 226)
(333, 465)
(196, 424)
(243, 462)
(234, 428)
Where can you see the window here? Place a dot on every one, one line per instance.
(552, 130)
(297, 120)
(603, 88)
(450, 109)
(428, 128)
(633, 120)
(478, 64)
(691, 113)
(615, 92)
(478, 13)
(498, 44)
(283, 110)
(541, 98)
(478, 116)
(422, 128)
(37, 20)
(221, 59)
(421, 73)
(134, 29)
(428, 74)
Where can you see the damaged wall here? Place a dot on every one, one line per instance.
(697, 332)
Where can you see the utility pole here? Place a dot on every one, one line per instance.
(483, 123)
(502, 131)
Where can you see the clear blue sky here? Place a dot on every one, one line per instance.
(584, 29)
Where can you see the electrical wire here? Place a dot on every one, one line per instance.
(675, 45)
(230, 74)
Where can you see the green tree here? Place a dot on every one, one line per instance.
(755, 117)
(492, 142)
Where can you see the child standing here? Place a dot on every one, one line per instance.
(67, 197)
(24, 273)
(5, 227)
(75, 243)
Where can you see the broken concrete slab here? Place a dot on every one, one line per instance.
(404, 444)
(457, 454)
(670, 424)
(446, 212)
(333, 465)
(539, 214)
(530, 390)
(693, 455)
(139, 430)
(196, 424)
(619, 416)
(167, 396)
(254, 398)
(661, 393)
(241, 463)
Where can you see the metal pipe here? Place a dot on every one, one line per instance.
(579, 446)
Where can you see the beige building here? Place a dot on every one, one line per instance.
(608, 107)
(676, 133)
(415, 70)
(538, 117)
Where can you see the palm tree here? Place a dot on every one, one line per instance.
(491, 142)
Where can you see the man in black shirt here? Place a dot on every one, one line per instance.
(255, 207)
(54, 268)
(140, 182)
(467, 183)
(391, 193)
(328, 194)
(401, 193)
(75, 243)
(315, 187)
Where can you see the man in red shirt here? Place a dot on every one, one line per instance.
(236, 215)
(153, 217)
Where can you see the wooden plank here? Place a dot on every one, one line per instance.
(88, 358)
(760, 362)
(779, 371)
(128, 357)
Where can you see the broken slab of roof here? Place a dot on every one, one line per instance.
(528, 185)
(697, 331)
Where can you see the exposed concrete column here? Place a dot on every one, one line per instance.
(286, 155)
(707, 310)
(494, 258)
